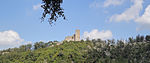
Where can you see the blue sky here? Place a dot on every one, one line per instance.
(106, 19)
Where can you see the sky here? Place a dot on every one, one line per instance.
(106, 19)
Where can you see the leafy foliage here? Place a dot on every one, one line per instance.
(53, 9)
(90, 51)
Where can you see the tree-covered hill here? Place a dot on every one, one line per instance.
(90, 51)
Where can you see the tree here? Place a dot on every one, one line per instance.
(25, 47)
(28, 47)
(22, 48)
(53, 9)
(147, 38)
(40, 44)
(131, 39)
(36, 45)
(142, 38)
(138, 38)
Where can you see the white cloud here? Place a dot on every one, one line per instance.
(98, 4)
(36, 7)
(95, 34)
(95, 4)
(9, 39)
(113, 2)
(129, 14)
(144, 20)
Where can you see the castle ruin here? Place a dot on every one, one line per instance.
(75, 37)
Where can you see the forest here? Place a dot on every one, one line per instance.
(132, 50)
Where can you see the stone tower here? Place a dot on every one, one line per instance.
(77, 35)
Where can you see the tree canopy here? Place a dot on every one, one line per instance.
(133, 50)
(52, 9)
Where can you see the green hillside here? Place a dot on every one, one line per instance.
(90, 51)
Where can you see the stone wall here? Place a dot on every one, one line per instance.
(75, 37)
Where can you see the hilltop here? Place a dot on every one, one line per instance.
(90, 51)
